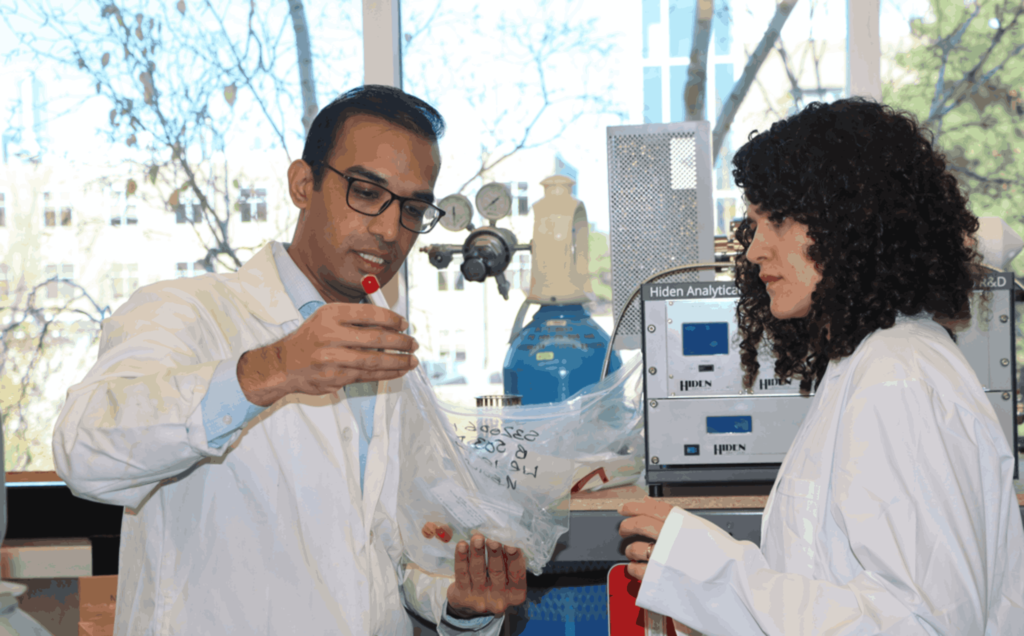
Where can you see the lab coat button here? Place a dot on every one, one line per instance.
(347, 434)
(227, 419)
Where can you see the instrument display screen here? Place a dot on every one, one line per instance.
(731, 424)
(705, 338)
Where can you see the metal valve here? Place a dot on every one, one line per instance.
(486, 252)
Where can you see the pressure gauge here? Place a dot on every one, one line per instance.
(494, 201)
(458, 212)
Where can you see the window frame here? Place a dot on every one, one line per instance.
(58, 210)
(252, 204)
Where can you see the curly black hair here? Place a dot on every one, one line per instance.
(889, 224)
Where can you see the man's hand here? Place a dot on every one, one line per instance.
(646, 519)
(486, 588)
(340, 344)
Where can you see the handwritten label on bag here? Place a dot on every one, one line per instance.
(455, 500)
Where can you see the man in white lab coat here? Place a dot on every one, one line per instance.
(894, 511)
(244, 420)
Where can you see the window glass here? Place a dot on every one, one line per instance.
(969, 95)
(652, 95)
(808, 63)
(680, 27)
(132, 130)
(528, 89)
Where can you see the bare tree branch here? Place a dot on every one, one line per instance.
(248, 79)
(796, 91)
(304, 49)
(947, 47)
(754, 62)
(697, 73)
(982, 178)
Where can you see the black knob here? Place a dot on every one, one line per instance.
(439, 257)
(474, 269)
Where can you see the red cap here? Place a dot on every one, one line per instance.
(370, 284)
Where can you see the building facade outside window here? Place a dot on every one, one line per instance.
(252, 203)
(188, 212)
(189, 269)
(122, 211)
(59, 278)
(124, 279)
(520, 272)
(49, 211)
(56, 210)
(451, 279)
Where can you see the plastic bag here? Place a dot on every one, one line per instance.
(610, 450)
(506, 472)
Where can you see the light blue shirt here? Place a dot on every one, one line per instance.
(225, 409)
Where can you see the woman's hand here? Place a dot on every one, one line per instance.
(644, 518)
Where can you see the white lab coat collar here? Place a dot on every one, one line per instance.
(262, 292)
(923, 319)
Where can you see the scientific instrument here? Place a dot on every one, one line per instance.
(701, 427)
(487, 251)
(459, 212)
(661, 207)
(494, 201)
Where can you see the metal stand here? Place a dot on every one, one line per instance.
(654, 490)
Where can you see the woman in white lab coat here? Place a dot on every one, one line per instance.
(894, 511)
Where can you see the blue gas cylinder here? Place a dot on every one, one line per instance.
(558, 354)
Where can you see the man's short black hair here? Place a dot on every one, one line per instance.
(390, 104)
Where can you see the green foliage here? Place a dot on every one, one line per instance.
(978, 114)
(966, 85)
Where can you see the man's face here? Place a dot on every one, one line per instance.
(334, 245)
(780, 252)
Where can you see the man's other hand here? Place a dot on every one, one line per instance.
(340, 344)
(486, 584)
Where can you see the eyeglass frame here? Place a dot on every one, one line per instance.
(387, 204)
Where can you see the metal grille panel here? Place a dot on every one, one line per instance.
(660, 208)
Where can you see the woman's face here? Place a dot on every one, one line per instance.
(780, 252)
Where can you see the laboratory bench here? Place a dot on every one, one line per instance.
(47, 552)
(594, 518)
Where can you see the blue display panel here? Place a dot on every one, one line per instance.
(705, 338)
(731, 424)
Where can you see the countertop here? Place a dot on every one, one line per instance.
(753, 496)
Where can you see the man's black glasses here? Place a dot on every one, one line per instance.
(366, 197)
